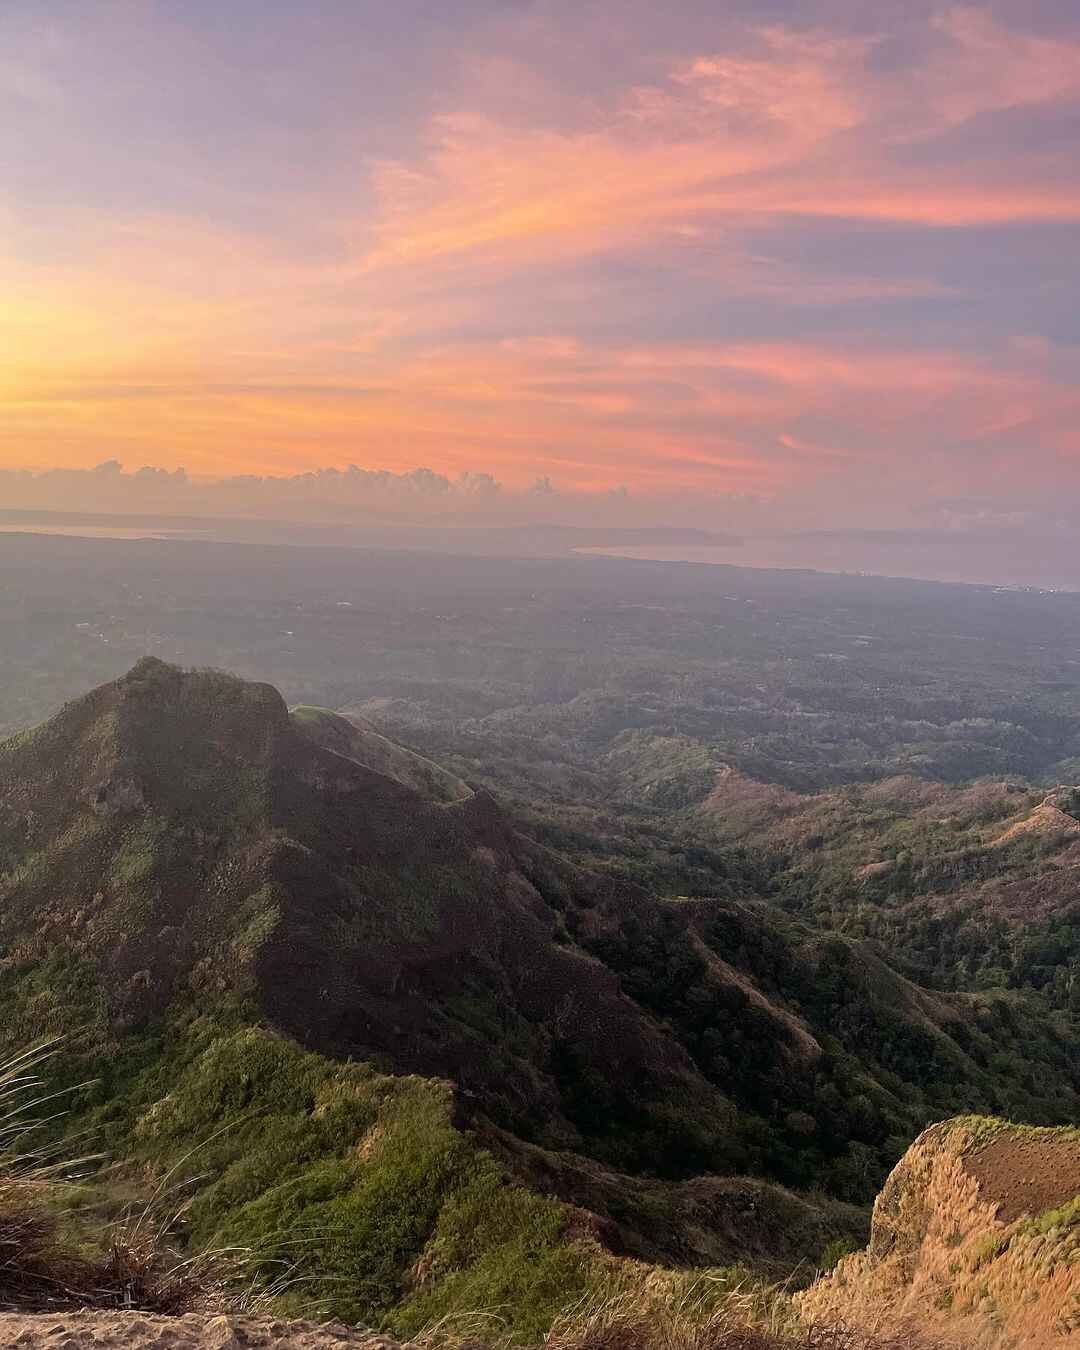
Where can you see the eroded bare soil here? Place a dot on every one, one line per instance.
(133, 1331)
(1026, 1176)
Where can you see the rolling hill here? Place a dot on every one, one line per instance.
(380, 1003)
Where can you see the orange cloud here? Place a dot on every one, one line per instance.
(733, 417)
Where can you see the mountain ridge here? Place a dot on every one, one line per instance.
(187, 835)
(190, 877)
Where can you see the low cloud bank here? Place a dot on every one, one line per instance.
(329, 495)
(948, 540)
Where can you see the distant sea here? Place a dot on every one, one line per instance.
(1015, 559)
(94, 531)
(976, 558)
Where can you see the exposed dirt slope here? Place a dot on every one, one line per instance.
(976, 1235)
(196, 1331)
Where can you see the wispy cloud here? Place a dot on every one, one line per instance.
(796, 260)
(806, 125)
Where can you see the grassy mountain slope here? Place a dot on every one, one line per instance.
(971, 886)
(258, 933)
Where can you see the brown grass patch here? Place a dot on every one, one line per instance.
(976, 1235)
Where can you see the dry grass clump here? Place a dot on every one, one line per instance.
(637, 1320)
(49, 1260)
(645, 1308)
(38, 1266)
(143, 1267)
(39, 1260)
(741, 1322)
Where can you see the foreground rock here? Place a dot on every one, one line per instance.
(975, 1236)
(192, 1332)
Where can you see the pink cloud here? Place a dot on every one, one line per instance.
(799, 125)
(487, 296)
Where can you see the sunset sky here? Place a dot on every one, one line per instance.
(819, 256)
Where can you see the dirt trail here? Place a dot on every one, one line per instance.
(133, 1331)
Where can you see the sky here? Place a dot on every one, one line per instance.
(808, 265)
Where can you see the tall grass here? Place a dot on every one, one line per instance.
(41, 1260)
(624, 1327)
(645, 1319)
(56, 1251)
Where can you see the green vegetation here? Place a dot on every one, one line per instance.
(200, 885)
(840, 1119)
(977, 1131)
(966, 888)
(1061, 1217)
(315, 1185)
(182, 904)
(220, 863)
(356, 1181)
(69, 1241)
(357, 739)
(835, 1252)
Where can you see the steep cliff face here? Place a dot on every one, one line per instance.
(975, 1235)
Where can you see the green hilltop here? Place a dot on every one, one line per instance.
(423, 1054)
